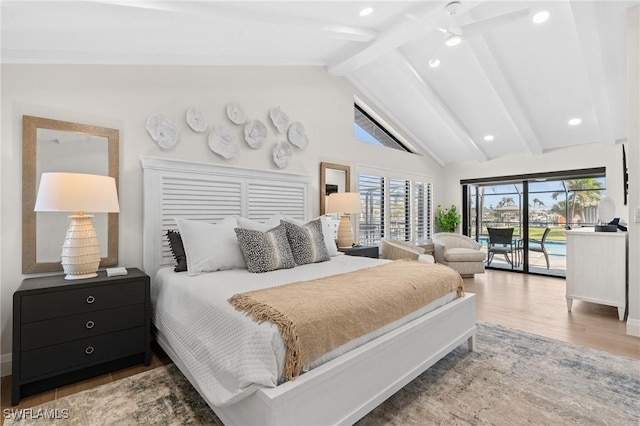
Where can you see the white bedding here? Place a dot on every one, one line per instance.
(229, 355)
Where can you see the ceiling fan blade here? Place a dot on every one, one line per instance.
(475, 28)
(416, 18)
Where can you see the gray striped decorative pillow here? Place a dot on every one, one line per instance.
(307, 242)
(265, 251)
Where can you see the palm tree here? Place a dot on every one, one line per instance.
(506, 201)
(537, 203)
(582, 193)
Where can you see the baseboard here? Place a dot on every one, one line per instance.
(5, 365)
(633, 327)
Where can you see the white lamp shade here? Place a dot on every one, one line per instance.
(77, 192)
(344, 202)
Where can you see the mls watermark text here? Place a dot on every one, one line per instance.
(36, 413)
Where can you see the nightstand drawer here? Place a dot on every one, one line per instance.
(39, 307)
(71, 355)
(60, 330)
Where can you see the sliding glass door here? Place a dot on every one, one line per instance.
(535, 210)
(498, 206)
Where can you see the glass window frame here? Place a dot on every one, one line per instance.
(377, 134)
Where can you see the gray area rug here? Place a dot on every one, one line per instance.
(512, 378)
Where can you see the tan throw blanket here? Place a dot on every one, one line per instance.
(317, 316)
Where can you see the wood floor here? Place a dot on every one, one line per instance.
(530, 303)
(536, 304)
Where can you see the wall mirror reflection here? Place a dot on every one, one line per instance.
(60, 146)
(333, 178)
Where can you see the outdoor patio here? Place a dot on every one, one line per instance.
(537, 264)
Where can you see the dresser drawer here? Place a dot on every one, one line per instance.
(60, 330)
(43, 306)
(79, 353)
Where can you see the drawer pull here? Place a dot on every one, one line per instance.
(91, 299)
(89, 324)
(89, 350)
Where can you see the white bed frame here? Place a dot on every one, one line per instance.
(341, 391)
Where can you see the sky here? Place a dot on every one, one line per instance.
(540, 190)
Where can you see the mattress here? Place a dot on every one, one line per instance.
(228, 355)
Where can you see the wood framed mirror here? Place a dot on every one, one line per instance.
(60, 146)
(333, 178)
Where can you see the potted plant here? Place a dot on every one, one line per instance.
(447, 219)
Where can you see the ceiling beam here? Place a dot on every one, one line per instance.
(503, 88)
(223, 12)
(403, 31)
(586, 24)
(92, 57)
(440, 107)
(391, 116)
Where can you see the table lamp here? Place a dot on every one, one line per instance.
(78, 193)
(344, 203)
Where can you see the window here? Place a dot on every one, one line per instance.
(399, 209)
(393, 207)
(371, 190)
(367, 129)
(421, 211)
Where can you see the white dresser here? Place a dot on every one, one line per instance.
(597, 268)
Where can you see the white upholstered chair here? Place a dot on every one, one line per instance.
(394, 250)
(459, 252)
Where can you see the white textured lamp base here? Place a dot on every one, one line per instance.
(81, 250)
(345, 233)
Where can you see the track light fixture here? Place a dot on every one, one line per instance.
(452, 39)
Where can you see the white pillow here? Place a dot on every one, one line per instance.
(210, 247)
(273, 221)
(329, 241)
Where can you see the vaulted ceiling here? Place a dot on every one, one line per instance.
(510, 78)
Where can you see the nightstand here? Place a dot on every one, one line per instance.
(69, 330)
(362, 251)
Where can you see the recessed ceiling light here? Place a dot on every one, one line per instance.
(488, 138)
(366, 11)
(451, 39)
(541, 17)
(575, 121)
(434, 63)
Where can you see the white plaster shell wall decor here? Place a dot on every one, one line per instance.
(235, 113)
(255, 133)
(163, 131)
(282, 153)
(297, 135)
(197, 121)
(222, 142)
(279, 119)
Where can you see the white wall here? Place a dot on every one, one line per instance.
(633, 66)
(123, 97)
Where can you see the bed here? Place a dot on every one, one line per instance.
(338, 388)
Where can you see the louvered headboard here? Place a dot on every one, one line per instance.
(210, 192)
